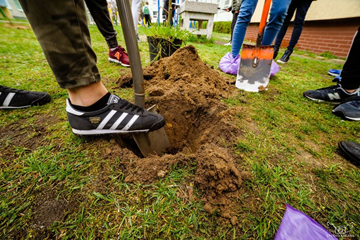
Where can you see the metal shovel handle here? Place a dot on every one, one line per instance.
(127, 25)
(262, 25)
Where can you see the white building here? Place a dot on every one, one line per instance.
(222, 15)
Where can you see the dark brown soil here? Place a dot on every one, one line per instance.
(200, 127)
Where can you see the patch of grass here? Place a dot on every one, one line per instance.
(288, 146)
(327, 54)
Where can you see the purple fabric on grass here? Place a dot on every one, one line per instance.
(274, 68)
(296, 225)
(229, 64)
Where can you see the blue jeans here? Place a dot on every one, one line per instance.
(301, 7)
(277, 15)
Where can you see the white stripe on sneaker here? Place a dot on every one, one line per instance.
(130, 123)
(106, 119)
(8, 99)
(118, 121)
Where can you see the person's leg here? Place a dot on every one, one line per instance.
(350, 81)
(62, 31)
(233, 22)
(100, 13)
(135, 5)
(350, 74)
(147, 19)
(283, 29)
(302, 8)
(347, 89)
(277, 15)
(246, 11)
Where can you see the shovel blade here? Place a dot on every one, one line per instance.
(152, 142)
(255, 66)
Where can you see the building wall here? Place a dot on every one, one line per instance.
(15, 9)
(322, 10)
(330, 26)
(334, 36)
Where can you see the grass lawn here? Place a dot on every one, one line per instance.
(54, 184)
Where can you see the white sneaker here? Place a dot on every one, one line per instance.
(227, 44)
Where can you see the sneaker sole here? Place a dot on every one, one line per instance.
(116, 61)
(154, 127)
(104, 131)
(342, 115)
(282, 62)
(322, 101)
(10, 107)
(333, 74)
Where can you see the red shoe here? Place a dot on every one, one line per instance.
(118, 55)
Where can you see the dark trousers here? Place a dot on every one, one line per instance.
(233, 22)
(350, 74)
(147, 19)
(62, 30)
(301, 7)
(100, 13)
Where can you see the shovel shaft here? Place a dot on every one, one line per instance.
(262, 25)
(128, 28)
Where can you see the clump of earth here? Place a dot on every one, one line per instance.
(200, 127)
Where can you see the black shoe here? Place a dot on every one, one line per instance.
(349, 110)
(13, 98)
(333, 94)
(285, 58)
(351, 151)
(119, 116)
(276, 52)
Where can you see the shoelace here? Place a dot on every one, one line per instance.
(133, 108)
(122, 50)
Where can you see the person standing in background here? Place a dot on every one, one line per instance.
(147, 14)
(234, 8)
(301, 7)
(135, 5)
(100, 13)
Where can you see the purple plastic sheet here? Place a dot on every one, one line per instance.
(229, 64)
(274, 68)
(296, 225)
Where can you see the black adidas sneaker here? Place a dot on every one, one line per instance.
(119, 116)
(13, 98)
(333, 94)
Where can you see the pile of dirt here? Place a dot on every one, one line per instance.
(200, 127)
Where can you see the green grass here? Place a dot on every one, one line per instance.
(289, 147)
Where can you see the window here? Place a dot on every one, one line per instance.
(18, 5)
(8, 5)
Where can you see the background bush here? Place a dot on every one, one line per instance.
(222, 27)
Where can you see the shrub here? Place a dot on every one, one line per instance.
(222, 27)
